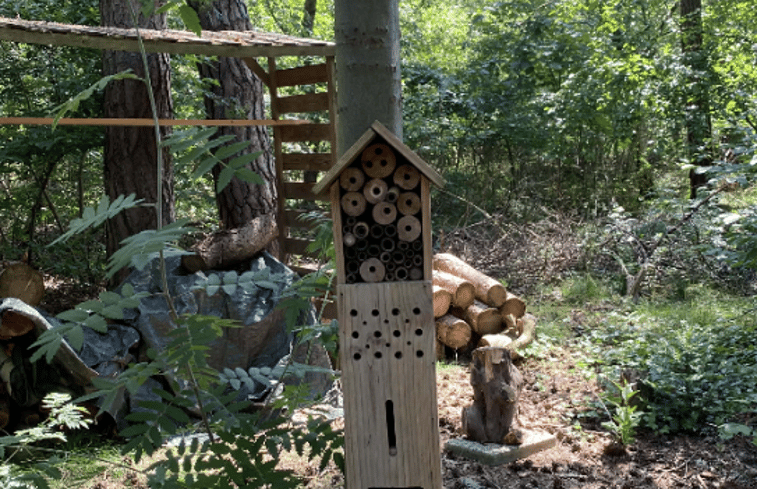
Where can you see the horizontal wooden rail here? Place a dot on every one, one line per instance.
(48, 121)
(297, 246)
(309, 102)
(302, 75)
(310, 132)
(306, 161)
(301, 191)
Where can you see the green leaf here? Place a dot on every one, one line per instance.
(243, 160)
(97, 323)
(229, 289)
(249, 176)
(73, 315)
(231, 149)
(224, 178)
(75, 337)
(190, 19)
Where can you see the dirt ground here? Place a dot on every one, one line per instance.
(586, 457)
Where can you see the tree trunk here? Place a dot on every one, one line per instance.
(368, 68)
(238, 95)
(696, 103)
(131, 152)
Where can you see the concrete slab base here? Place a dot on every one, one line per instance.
(495, 454)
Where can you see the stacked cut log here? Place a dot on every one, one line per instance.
(473, 309)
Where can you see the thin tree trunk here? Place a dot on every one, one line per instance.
(239, 94)
(308, 16)
(368, 68)
(131, 152)
(696, 104)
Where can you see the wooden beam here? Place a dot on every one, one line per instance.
(253, 65)
(300, 190)
(48, 121)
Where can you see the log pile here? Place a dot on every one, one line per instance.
(474, 310)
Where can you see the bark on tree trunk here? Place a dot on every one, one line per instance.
(131, 152)
(238, 95)
(368, 68)
(696, 104)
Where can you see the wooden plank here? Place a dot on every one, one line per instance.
(303, 75)
(309, 102)
(48, 121)
(253, 64)
(307, 161)
(302, 191)
(309, 132)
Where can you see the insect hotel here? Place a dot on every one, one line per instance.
(382, 234)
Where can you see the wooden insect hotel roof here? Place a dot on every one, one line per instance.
(377, 129)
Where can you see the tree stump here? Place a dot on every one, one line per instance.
(496, 386)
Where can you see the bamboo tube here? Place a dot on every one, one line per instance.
(353, 203)
(374, 250)
(417, 245)
(442, 300)
(390, 230)
(398, 257)
(482, 318)
(408, 228)
(353, 267)
(384, 213)
(418, 260)
(385, 257)
(375, 190)
(392, 194)
(378, 160)
(387, 244)
(401, 273)
(408, 203)
(513, 305)
(416, 273)
(352, 179)
(372, 270)
(349, 239)
(361, 230)
(488, 290)
(463, 292)
(407, 177)
(453, 331)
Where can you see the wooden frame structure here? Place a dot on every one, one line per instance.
(248, 46)
(381, 209)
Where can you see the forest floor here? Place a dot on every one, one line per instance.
(560, 396)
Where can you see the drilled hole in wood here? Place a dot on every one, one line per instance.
(396, 333)
(395, 312)
(419, 332)
(417, 311)
(377, 334)
(375, 312)
(356, 356)
(355, 334)
(419, 353)
(377, 354)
